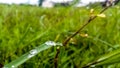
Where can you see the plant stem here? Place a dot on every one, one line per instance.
(91, 18)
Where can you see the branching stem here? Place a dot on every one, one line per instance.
(91, 18)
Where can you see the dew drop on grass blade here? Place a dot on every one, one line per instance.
(31, 54)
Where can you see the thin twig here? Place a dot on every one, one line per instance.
(89, 21)
(91, 18)
(56, 58)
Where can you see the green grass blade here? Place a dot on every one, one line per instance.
(107, 56)
(110, 60)
(107, 59)
(31, 54)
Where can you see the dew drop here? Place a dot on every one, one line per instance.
(92, 66)
(32, 53)
(50, 43)
(60, 44)
(13, 66)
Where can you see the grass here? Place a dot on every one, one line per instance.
(22, 28)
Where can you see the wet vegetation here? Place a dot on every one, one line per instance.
(22, 28)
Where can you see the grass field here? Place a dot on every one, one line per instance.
(22, 28)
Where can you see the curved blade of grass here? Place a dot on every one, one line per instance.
(31, 54)
(107, 59)
(40, 35)
(25, 34)
(109, 55)
(111, 60)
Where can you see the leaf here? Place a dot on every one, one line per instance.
(101, 15)
(31, 54)
(107, 59)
